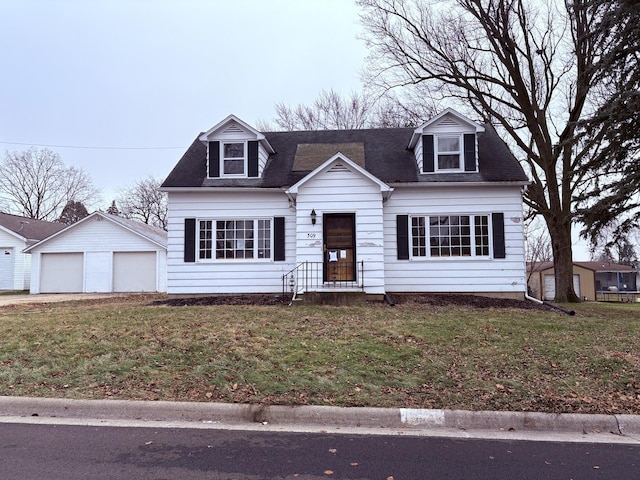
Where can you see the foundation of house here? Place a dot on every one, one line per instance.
(338, 298)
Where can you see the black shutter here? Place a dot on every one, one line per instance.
(402, 235)
(214, 159)
(278, 238)
(252, 152)
(428, 164)
(190, 240)
(469, 152)
(498, 235)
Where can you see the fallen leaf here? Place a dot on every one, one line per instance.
(390, 478)
(332, 450)
(596, 467)
(148, 443)
(328, 472)
(354, 464)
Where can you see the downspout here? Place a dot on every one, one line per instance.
(556, 307)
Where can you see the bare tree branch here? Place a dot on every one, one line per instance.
(35, 183)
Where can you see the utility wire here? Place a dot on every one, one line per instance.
(90, 147)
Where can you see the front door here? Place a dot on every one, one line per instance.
(339, 247)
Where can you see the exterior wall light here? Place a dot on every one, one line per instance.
(313, 217)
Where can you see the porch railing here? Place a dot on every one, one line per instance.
(307, 276)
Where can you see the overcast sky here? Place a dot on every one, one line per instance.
(154, 73)
(126, 81)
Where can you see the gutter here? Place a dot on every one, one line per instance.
(459, 184)
(556, 307)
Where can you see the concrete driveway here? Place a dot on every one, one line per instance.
(52, 297)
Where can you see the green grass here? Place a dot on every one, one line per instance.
(375, 355)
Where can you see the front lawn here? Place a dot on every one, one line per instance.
(414, 354)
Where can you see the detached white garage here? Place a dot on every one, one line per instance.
(100, 253)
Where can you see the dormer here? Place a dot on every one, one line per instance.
(447, 143)
(235, 150)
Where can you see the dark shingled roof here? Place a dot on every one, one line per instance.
(385, 155)
(28, 227)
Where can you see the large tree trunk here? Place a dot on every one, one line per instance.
(560, 233)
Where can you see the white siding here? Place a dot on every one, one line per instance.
(457, 275)
(263, 156)
(339, 190)
(97, 267)
(418, 151)
(20, 273)
(227, 276)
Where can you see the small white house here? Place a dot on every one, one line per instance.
(16, 234)
(100, 253)
(436, 208)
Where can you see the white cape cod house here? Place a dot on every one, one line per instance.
(435, 209)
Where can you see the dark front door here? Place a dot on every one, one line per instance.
(339, 247)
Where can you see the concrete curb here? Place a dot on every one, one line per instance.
(319, 415)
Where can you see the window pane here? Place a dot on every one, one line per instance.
(234, 167)
(448, 144)
(418, 237)
(481, 231)
(237, 239)
(205, 243)
(233, 150)
(264, 239)
(450, 236)
(448, 162)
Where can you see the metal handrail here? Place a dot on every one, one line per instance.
(311, 276)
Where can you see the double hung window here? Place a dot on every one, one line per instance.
(450, 236)
(233, 158)
(448, 150)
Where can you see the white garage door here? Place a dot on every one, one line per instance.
(134, 272)
(550, 286)
(61, 272)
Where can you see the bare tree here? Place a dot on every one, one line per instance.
(144, 202)
(328, 111)
(36, 183)
(538, 243)
(524, 65)
(331, 111)
(538, 246)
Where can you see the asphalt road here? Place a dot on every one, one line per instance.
(64, 452)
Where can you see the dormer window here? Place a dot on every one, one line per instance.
(448, 148)
(233, 158)
(447, 153)
(448, 143)
(236, 150)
